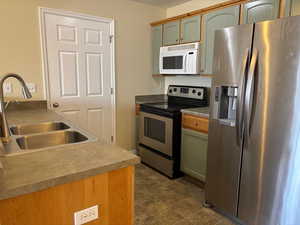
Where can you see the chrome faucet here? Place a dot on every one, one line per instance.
(5, 132)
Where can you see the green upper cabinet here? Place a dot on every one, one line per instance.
(292, 8)
(190, 29)
(171, 33)
(260, 10)
(156, 44)
(213, 21)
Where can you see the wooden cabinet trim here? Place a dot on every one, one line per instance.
(200, 11)
(137, 109)
(284, 8)
(282, 11)
(195, 123)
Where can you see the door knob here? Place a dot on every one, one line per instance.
(55, 105)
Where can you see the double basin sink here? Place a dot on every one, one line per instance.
(46, 134)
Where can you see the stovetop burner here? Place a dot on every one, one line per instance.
(179, 97)
(169, 107)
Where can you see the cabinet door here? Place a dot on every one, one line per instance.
(261, 10)
(156, 44)
(171, 33)
(190, 29)
(193, 153)
(213, 21)
(292, 8)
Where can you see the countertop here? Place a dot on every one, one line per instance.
(201, 111)
(36, 170)
(140, 99)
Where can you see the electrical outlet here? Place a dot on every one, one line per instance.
(31, 87)
(86, 215)
(7, 87)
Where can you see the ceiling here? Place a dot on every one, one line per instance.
(163, 3)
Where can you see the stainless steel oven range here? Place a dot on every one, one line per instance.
(160, 128)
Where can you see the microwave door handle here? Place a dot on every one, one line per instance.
(185, 63)
(240, 100)
(249, 94)
(161, 63)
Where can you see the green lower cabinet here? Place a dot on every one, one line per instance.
(260, 10)
(213, 21)
(194, 153)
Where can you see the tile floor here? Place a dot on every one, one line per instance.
(161, 201)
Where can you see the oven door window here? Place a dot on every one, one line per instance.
(173, 62)
(155, 129)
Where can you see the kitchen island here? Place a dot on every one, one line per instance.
(47, 186)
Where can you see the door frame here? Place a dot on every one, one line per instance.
(45, 67)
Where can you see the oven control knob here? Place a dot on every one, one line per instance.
(199, 93)
(170, 90)
(175, 89)
(194, 91)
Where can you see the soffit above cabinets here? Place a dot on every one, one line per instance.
(163, 3)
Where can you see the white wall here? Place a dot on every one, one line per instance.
(20, 50)
(188, 81)
(191, 6)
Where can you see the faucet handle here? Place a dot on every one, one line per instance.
(26, 93)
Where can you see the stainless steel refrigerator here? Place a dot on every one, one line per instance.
(253, 171)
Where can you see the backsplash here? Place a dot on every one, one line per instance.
(187, 80)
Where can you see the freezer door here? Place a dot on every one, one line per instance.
(270, 179)
(232, 51)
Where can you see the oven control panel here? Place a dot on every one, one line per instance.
(187, 92)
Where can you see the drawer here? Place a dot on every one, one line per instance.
(156, 161)
(137, 109)
(195, 123)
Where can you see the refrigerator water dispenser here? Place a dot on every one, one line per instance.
(225, 105)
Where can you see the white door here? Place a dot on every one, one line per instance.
(79, 61)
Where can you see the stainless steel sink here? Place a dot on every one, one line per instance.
(50, 139)
(38, 128)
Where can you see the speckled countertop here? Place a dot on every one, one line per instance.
(201, 111)
(40, 169)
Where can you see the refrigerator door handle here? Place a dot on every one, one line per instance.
(249, 94)
(240, 100)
